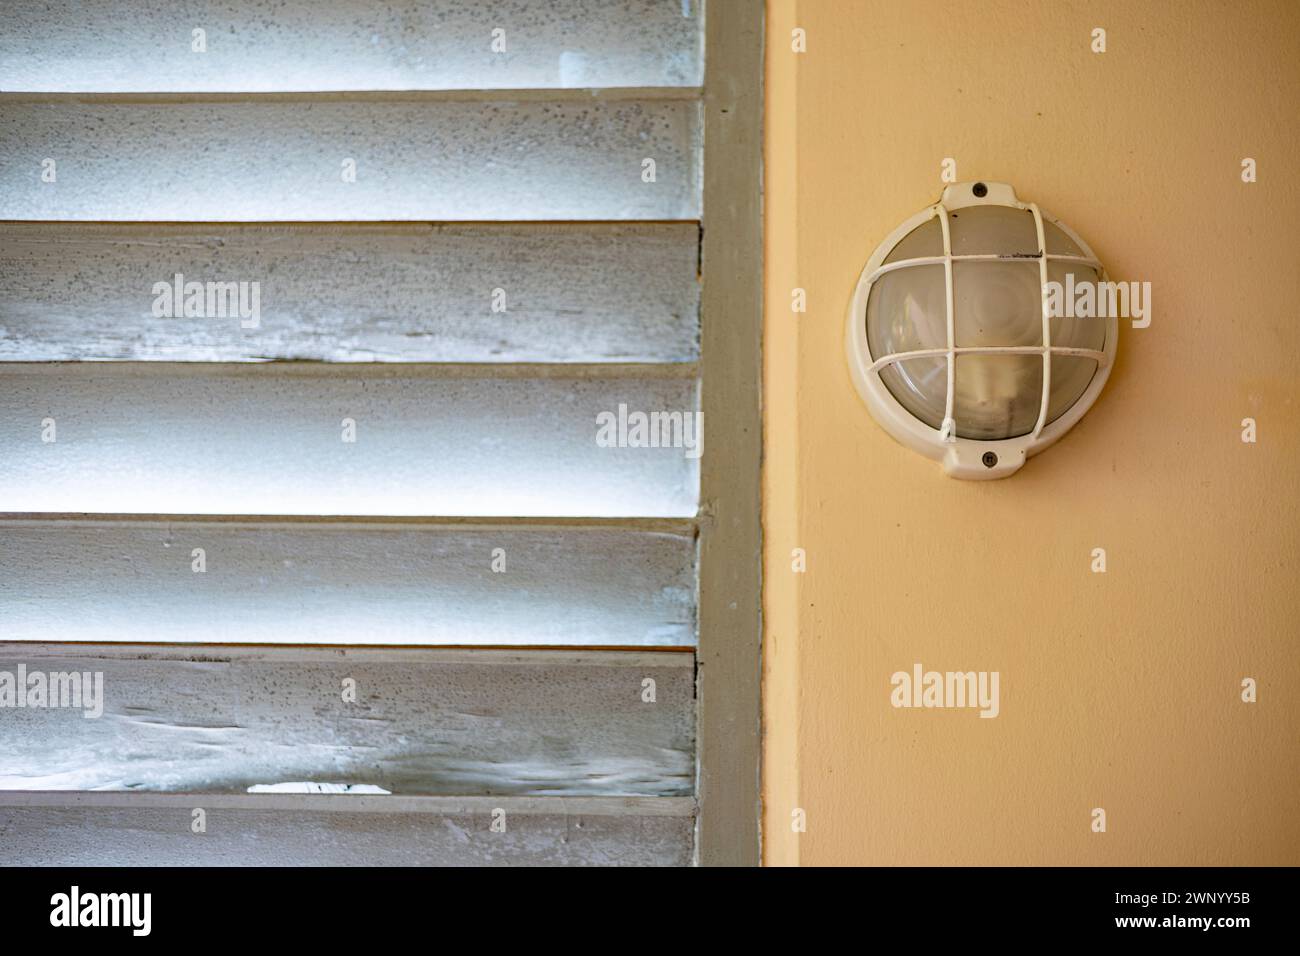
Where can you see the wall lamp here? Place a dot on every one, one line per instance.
(952, 340)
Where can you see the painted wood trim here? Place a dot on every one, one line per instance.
(223, 718)
(730, 536)
(140, 829)
(783, 496)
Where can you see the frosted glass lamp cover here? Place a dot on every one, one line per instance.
(950, 341)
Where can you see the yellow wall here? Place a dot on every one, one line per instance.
(1119, 690)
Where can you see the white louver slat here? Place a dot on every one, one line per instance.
(256, 46)
(356, 292)
(315, 158)
(418, 581)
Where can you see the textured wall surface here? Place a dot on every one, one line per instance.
(1120, 690)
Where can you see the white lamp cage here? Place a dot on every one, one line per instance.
(951, 341)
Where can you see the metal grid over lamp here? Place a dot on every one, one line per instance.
(950, 339)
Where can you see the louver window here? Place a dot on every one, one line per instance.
(356, 496)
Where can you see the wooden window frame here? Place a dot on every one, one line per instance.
(730, 609)
(727, 797)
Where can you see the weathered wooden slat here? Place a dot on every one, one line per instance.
(284, 160)
(195, 438)
(139, 829)
(428, 721)
(413, 292)
(346, 582)
(249, 45)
